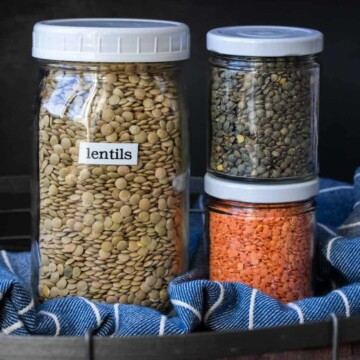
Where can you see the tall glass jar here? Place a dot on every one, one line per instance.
(264, 103)
(111, 180)
(262, 235)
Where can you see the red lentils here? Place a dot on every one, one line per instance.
(266, 246)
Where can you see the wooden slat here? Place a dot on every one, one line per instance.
(37, 347)
(317, 354)
(15, 243)
(196, 185)
(356, 351)
(201, 345)
(14, 211)
(14, 184)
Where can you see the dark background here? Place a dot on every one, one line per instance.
(340, 100)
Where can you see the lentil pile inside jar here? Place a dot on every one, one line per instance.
(264, 90)
(112, 220)
(262, 236)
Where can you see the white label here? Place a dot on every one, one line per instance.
(108, 154)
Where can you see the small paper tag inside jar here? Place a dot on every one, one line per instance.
(108, 154)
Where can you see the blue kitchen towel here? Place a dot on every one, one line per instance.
(199, 302)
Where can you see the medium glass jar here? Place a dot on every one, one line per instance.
(111, 182)
(262, 235)
(264, 102)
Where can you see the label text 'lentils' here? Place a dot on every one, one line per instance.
(108, 153)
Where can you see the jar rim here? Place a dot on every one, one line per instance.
(111, 40)
(265, 41)
(260, 193)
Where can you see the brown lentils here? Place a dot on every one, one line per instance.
(263, 118)
(107, 232)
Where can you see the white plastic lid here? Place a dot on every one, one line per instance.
(260, 193)
(111, 40)
(272, 41)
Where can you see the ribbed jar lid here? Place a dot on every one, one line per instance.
(260, 193)
(111, 40)
(265, 41)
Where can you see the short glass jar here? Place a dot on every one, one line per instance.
(262, 235)
(264, 102)
(111, 177)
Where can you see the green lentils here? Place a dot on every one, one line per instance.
(107, 232)
(263, 118)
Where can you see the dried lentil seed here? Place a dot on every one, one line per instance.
(141, 137)
(134, 129)
(117, 218)
(108, 115)
(71, 180)
(139, 93)
(107, 129)
(123, 170)
(155, 217)
(121, 184)
(53, 190)
(104, 255)
(110, 78)
(98, 227)
(61, 284)
(160, 173)
(82, 285)
(123, 258)
(89, 219)
(144, 216)
(148, 103)
(87, 199)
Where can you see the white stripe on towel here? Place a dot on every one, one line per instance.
(162, 325)
(96, 311)
(251, 309)
(56, 321)
(26, 308)
(329, 246)
(327, 229)
(335, 188)
(346, 226)
(346, 302)
(216, 304)
(298, 310)
(6, 260)
(12, 328)
(187, 306)
(116, 313)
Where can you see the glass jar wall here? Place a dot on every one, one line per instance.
(112, 180)
(266, 245)
(263, 120)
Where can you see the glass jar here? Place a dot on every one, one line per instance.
(262, 235)
(112, 162)
(264, 102)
